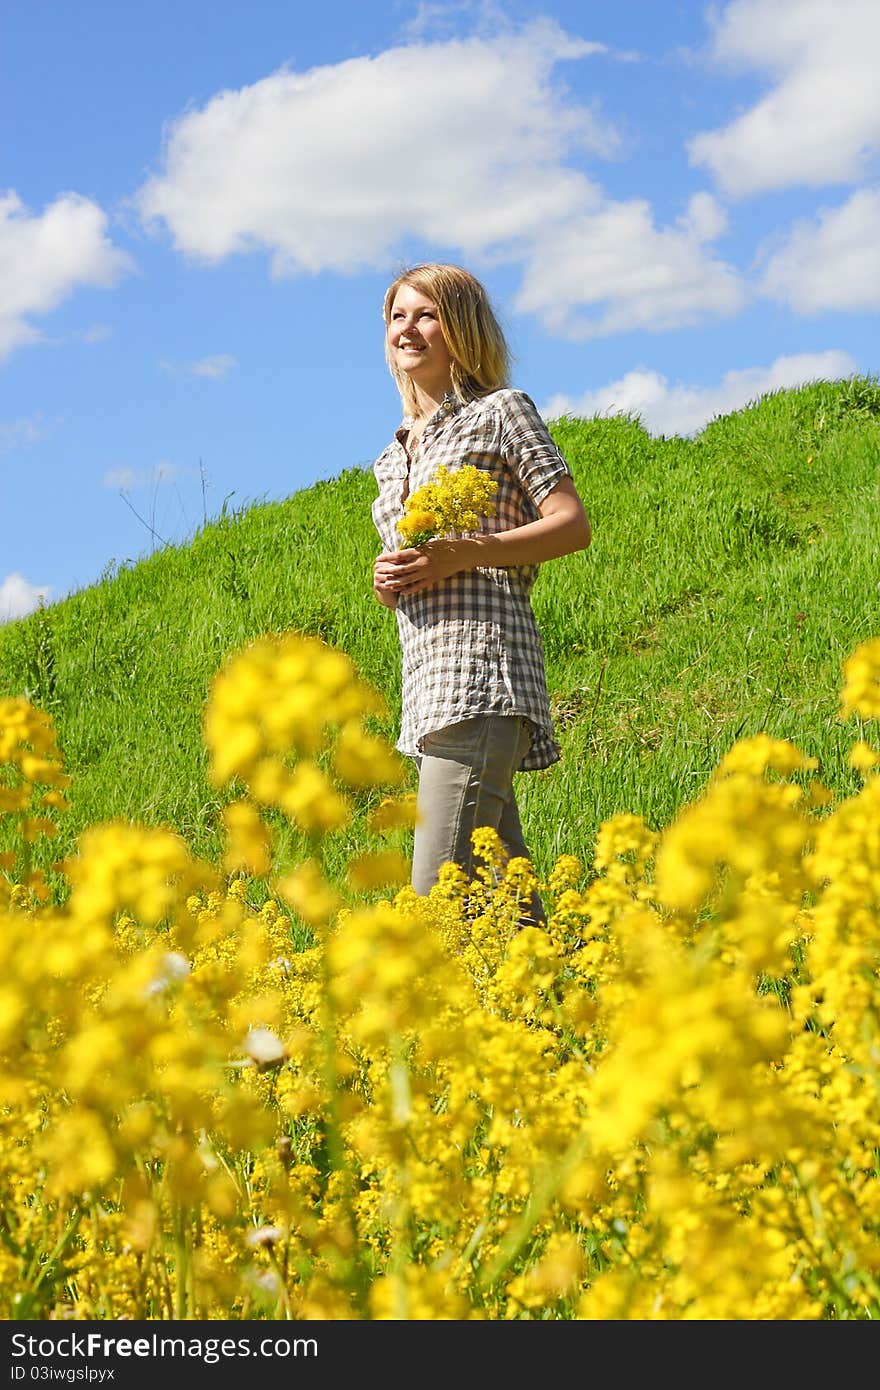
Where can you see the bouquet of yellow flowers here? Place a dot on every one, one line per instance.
(454, 502)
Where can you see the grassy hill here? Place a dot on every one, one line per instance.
(729, 577)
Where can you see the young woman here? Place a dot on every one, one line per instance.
(474, 694)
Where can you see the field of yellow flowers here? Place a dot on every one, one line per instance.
(662, 1106)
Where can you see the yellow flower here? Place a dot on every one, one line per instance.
(451, 505)
(386, 867)
(418, 525)
(13, 1007)
(862, 756)
(307, 891)
(761, 753)
(311, 800)
(394, 813)
(248, 842)
(78, 1153)
(487, 846)
(861, 691)
(565, 873)
(361, 759)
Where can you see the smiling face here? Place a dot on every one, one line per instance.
(416, 344)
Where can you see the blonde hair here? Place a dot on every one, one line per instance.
(471, 331)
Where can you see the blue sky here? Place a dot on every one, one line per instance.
(674, 207)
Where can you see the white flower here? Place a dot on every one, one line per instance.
(264, 1236)
(264, 1047)
(175, 968)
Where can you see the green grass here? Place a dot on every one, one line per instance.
(729, 577)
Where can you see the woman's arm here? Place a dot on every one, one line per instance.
(562, 527)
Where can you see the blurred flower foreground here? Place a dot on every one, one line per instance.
(247, 1091)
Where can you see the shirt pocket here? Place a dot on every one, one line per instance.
(461, 737)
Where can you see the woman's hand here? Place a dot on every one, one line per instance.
(384, 593)
(410, 571)
(562, 527)
(386, 596)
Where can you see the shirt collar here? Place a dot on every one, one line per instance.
(449, 404)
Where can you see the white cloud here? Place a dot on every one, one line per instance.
(441, 18)
(666, 409)
(123, 479)
(215, 367)
(18, 597)
(219, 365)
(126, 479)
(14, 433)
(832, 262)
(820, 121)
(98, 333)
(470, 146)
(45, 258)
(628, 274)
(461, 143)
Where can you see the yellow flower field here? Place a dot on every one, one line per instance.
(663, 1106)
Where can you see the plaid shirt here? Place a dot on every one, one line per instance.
(470, 644)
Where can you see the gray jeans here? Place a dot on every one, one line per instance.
(465, 781)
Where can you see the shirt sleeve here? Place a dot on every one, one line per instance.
(528, 447)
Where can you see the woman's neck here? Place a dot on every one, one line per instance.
(428, 402)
